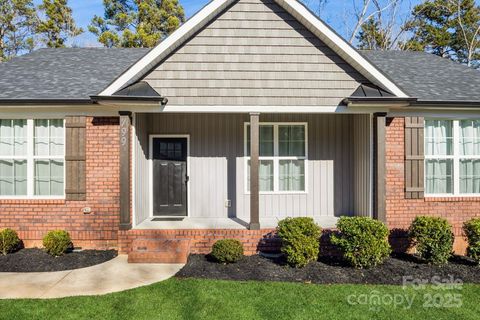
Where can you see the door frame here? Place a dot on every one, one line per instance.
(150, 171)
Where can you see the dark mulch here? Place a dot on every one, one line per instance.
(36, 260)
(330, 270)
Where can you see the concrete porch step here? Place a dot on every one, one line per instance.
(159, 251)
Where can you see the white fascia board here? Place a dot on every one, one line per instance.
(340, 46)
(49, 111)
(167, 46)
(269, 109)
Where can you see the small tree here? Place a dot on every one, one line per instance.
(133, 23)
(447, 28)
(57, 25)
(17, 26)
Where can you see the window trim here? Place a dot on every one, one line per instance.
(456, 157)
(30, 158)
(275, 158)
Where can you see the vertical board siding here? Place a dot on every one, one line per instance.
(217, 171)
(362, 165)
(414, 157)
(75, 159)
(255, 53)
(142, 192)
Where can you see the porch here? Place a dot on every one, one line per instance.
(329, 176)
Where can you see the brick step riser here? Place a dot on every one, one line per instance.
(159, 251)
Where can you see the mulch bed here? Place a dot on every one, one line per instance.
(36, 260)
(330, 270)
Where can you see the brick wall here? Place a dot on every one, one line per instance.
(202, 240)
(401, 211)
(33, 218)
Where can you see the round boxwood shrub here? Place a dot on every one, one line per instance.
(433, 239)
(363, 241)
(300, 240)
(57, 242)
(9, 241)
(471, 229)
(227, 250)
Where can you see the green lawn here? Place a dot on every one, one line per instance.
(207, 299)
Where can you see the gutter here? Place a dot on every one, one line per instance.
(162, 100)
(395, 102)
(447, 104)
(45, 101)
(352, 102)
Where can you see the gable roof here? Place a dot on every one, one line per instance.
(216, 7)
(63, 74)
(428, 77)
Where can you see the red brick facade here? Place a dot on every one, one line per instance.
(99, 229)
(202, 240)
(401, 211)
(33, 218)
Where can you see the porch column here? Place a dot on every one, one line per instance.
(125, 123)
(379, 124)
(254, 176)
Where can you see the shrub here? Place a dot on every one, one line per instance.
(300, 240)
(363, 241)
(472, 231)
(9, 241)
(57, 242)
(227, 250)
(433, 239)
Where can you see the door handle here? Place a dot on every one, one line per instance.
(187, 178)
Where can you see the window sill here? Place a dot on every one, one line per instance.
(279, 193)
(32, 201)
(452, 199)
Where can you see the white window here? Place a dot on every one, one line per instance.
(32, 157)
(452, 157)
(283, 154)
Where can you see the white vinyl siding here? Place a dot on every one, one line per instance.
(452, 157)
(283, 154)
(218, 168)
(32, 158)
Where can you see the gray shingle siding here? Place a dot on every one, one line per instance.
(255, 53)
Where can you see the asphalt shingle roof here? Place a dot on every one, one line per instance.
(428, 77)
(78, 73)
(70, 73)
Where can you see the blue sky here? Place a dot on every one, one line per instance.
(337, 13)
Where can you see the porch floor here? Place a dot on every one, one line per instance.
(192, 223)
(218, 223)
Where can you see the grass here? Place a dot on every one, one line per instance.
(210, 299)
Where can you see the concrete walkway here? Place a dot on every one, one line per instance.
(112, 276)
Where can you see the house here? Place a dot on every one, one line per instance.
(252, 111)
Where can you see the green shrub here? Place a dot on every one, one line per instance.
(57, 242)
(227, 250)
(9, 241)
(472, 231)
(433, 239)
(300, 240)
(363, 241)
